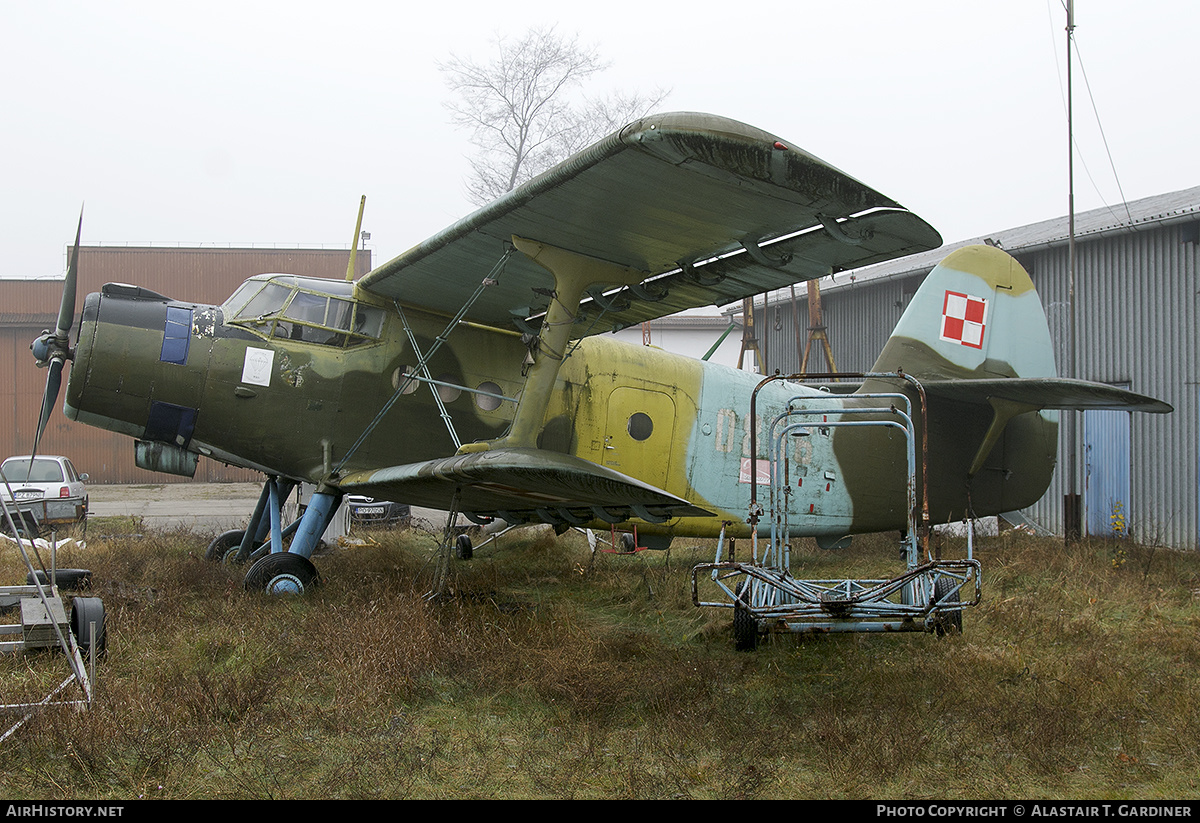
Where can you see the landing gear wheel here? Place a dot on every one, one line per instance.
(463, 548)
(947, 622)
(84, 612)
(628, 543)
(282, 573)
(745, 626)
(224, 546)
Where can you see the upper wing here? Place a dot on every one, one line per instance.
(712, 211)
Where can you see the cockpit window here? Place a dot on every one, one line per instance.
(305, 309)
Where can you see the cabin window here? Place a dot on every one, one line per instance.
(297, 308)
(640, 426)
(490, 396)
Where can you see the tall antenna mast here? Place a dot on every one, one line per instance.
(1072, 509)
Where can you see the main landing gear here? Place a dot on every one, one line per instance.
(274, 568)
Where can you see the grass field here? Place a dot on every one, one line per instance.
(552, 674)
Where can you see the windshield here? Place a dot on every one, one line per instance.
(305, 309)
(16, 470)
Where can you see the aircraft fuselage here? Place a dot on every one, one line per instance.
(288, 391)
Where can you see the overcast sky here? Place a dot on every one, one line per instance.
(252, 122)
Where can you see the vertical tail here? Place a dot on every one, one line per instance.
(976, 316)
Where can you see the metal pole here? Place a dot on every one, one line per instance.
(1071, 503)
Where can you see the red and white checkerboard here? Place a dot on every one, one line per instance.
(964, 318)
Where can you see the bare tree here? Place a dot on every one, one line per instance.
(520, 110)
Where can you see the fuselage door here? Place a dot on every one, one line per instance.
(639, 435)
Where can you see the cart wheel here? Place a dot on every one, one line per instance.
(84, 612)
(628, 544)
(463, 548)
(948, 621)
(745, 626)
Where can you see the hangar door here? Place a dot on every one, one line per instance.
(1106, 473)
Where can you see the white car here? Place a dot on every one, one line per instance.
(48, 493)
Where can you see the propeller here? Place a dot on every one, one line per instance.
(53, 349)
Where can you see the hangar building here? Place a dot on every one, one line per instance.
(1136, 293)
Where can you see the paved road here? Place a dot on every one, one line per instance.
(200, 507)
(205, 507)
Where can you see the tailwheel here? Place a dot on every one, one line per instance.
(282, 573)
(224, 547)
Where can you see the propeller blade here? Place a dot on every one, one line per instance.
(66, 309)
(49, 398)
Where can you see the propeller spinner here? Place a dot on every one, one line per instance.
(53, 348)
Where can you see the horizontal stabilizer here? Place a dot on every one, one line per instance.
(522, 485)
(1046, 393)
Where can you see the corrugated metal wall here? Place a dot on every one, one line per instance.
(1136, 294)
(194, 275)
(1136, 319)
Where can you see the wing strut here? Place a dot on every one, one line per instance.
(573, 274)
(491, 280)
(423, 367)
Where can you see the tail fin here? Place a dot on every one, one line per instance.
(976, 316)
(976, 337)
(976, 332)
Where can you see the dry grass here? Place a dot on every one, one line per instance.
(548, 676)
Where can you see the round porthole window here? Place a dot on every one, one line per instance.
(448, 393)
(640, 426)
(485, 401)
(398, 377)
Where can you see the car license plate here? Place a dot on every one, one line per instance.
(30, 494)
(371, 510)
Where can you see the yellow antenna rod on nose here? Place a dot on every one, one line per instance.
(362, 204)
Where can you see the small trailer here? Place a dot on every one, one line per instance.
(927, 595)
(44, 624)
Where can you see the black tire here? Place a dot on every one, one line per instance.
(947, 622)
(463, 548)
(69, 579)
(27, 527)
(84, 611)
(745, 626)
(628, 543)
(218, 550)
(282, 573)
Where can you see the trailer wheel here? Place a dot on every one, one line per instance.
(84, 612)
(745, 626)
(27, 527)
(947, 622)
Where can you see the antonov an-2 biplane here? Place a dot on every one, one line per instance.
(472, 372)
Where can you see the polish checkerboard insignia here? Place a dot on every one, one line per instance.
(964, 318)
